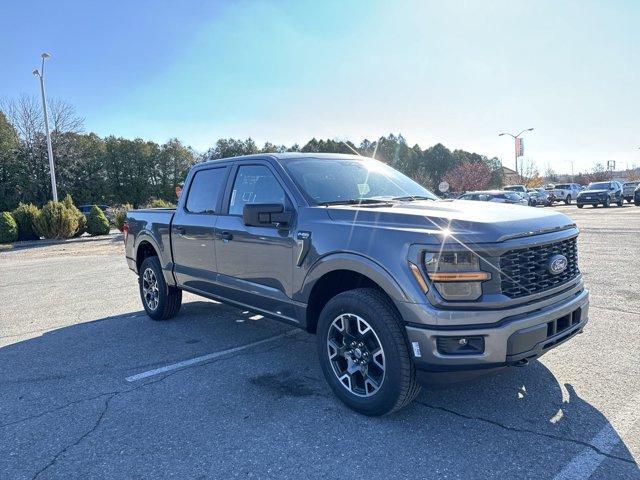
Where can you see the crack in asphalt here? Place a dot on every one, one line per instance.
(526, 430)
(117, 393)
(79, 440)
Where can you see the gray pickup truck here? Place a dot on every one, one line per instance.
(399, 287)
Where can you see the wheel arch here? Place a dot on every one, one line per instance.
(337, 273)
(147, 246)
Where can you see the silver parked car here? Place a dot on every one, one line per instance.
(539, 196)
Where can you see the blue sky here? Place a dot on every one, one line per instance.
(450, 72)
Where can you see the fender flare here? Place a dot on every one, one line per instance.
(167, 266)
(356, 263)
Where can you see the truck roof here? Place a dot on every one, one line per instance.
(283, 157)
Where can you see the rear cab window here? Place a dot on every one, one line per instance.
(205, 190)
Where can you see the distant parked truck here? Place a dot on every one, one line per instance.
(566, 192)
(628, 188)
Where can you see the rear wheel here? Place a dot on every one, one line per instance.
(160, 300)
(363, 353)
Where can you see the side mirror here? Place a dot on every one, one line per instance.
(266, 215)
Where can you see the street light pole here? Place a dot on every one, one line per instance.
(52, 170)
(515, 139)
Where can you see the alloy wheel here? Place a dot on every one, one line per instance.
(150, 289)
(356, 355)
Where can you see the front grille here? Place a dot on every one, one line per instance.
(525, 271)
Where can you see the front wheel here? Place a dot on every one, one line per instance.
(607, 202)
(160, 301)
(580, 205)
(363, 353)
(567, 200)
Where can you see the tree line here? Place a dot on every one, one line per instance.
(115, 170)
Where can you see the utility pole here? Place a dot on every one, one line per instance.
(52, 170)
(515, 146)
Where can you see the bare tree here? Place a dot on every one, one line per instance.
(25, 114)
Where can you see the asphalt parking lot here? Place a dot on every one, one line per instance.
(89, 386)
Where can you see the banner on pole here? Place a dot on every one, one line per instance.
(519, 147)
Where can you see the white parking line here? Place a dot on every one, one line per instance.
(204, 358)
(586, 463)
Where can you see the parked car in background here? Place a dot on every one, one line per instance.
(636, 196)
(520, 190)
(539, 196)
(628, 189)
(85, 209)
(566, 192)
(604, 193)
(497, 196)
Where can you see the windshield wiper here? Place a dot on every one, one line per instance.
(354, 201)
(412, 198)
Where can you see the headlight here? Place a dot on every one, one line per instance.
(456, 275)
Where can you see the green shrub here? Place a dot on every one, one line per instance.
(8, 228)
(121, 216)
(82, 220)
(159, 203)
(56, 221)
(25, 216)
(97, 223)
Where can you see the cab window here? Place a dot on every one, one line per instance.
(205, 189)
(254, 184)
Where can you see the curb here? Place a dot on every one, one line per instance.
(5, 247)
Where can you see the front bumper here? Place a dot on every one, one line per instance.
(511, 341)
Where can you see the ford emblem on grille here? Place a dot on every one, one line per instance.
(557, 264)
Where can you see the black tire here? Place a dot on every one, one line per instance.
(398, 385)
(637, 204)
(580, 205)
(621, 202)
(607, 202)
(166, 301)
(567, 201)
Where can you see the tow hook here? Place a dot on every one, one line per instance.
(522, 363)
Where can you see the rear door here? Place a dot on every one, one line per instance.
(255, 264)
(193, 229)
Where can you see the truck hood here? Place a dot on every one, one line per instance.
(468, 221)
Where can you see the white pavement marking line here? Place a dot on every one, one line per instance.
(204, 358)
(586, 463)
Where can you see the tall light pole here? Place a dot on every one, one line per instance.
(52, 170)
(515, 140)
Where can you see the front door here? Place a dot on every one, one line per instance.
(193, 230)
(255, 264)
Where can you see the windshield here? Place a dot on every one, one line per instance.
(335, 180)
(515, 188)
(563, 187)
(598, 186)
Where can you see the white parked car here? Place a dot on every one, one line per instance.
(520, 190)
(566, 192)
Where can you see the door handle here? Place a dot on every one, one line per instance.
(225, 236)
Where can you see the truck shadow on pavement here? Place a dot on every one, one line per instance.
(63, 391)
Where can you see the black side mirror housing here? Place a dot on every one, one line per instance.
(266, 215)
